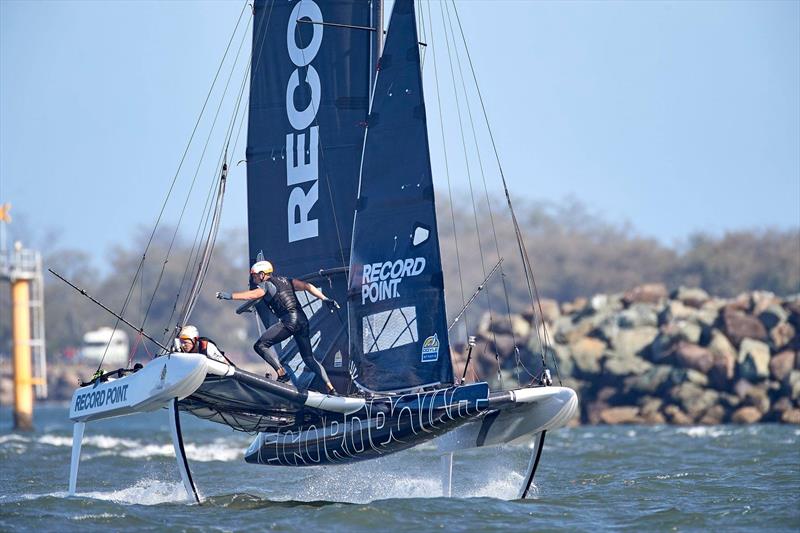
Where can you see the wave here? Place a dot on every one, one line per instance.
(143, 492)
(705, 431)
(218, 450)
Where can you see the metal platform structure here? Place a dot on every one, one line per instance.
(22, 264)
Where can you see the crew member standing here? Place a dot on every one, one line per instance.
(278, 294)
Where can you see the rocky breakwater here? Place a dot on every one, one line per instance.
(650, 356)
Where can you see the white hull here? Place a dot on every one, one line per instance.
(535, 410)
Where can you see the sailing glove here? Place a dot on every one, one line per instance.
(224, 295)
(331, 303)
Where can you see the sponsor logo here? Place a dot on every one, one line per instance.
(430, 349)
(302, 143)
(99, 398)
(337, 360)
(380, 281)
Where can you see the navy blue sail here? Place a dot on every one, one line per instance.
(309, 96)
(398, 328)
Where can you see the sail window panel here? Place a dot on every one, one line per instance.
(389, 329)
(310, 304)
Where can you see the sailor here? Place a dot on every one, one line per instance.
(191, 342)
(278, 294)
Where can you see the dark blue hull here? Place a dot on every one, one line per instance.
(384, 426)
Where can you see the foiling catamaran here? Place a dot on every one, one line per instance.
(340, 189)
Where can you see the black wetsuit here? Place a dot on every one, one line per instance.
(292, 322)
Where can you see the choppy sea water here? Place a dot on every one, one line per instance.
(590, 478)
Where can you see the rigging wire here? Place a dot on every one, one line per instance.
(491, 215)
(447, 170)
(527, 265)
(442, 7)
(139, 268)
(194, 177)
(199, 262)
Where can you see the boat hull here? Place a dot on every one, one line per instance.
(382, 427)
(171, 376)
(461, 417)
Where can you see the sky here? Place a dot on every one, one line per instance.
(672, 117)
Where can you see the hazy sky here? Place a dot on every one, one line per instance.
(672, 116)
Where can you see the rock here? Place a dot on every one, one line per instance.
(791, 416)
(663, 348)
(706, 317)
(761, 300)
(777, 409)
(587, 353)
(693, 297)
(676, 416)
(758, 398)
(576, 305)
(753, 359)
(569, 331)
(746, 415)
(781, 364)
(792, 382)
(503, 344)
(651, 293)
(698, 378)
(729, 401)
(689, 331)
(655, 418)
(516, 325)
(713, 416)
(675, 310)
(626, 366)
(620, 415)
(773, 315)
(693, 356)
(649, 404)
(793, 307)
(651, 382)
(722, 371)
(740, 303)
(550, 310)
(637, 315)
(741, 388)
(606, 327)
(566, 367)
(782, 334)
(633, 342)
(694, 400)
(737, 326)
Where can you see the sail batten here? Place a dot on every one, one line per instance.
(396, 307)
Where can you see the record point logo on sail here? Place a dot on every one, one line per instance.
(302, 158)
(430, 349)
(379, 281)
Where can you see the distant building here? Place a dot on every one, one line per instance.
(94, 346)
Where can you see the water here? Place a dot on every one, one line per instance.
(591, 478)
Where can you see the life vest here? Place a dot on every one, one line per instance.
(280, 296)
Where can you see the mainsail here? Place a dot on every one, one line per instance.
(398, 328)
(309, 96)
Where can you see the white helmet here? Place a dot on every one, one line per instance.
(261, 266)
(188, 332)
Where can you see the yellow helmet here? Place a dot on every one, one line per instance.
(261, 266)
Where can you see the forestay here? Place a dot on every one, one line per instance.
(398, 330)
